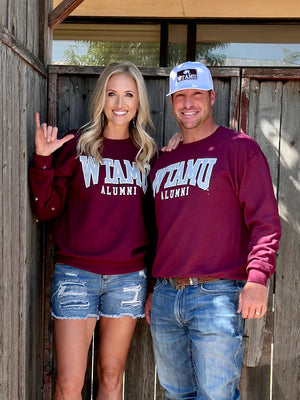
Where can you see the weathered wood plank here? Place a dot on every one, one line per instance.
(3, 13)
(32, 38)
(48, 265)
(89, 70)
(222, 88)
(48, 261)
(140, 374)
(224, 72)
(20, 348)
(20, 21)
(263, 102)
(2, 273)
(156, 94)
(52, 100)
(8, 365)
(36, 99)
(244, 105)
(286, 384)
(74, 101)
(170, 124)
(160, 392)
(264, 127)
(80, 97)
(62, 11)
(10, 41)
(45, 34)
(66, 113)
(11, 16)
(24, 233)
(14, 210)
(234, 109)
(272, 73)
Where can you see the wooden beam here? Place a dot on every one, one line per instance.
(62, 11)
(191, 42)
(164, 39)
(10, 41)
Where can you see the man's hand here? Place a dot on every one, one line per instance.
(148, 308)
(253, 301)
(173, 142)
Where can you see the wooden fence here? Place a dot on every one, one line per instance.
(23, 90)
(265, 103)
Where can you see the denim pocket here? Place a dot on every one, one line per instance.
(222, 286)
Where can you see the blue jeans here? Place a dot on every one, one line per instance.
(198, 339)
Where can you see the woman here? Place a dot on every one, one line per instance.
(95, 190)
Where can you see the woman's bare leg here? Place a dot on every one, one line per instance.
(73, 338)
(115, 335)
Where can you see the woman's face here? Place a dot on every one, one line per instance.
(122, 99)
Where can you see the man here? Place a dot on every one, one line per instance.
(218, 233)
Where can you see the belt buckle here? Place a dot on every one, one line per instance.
(180, 286)
(175, 285)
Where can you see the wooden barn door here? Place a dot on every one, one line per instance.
(265, 104)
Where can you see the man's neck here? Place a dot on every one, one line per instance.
(199, 133)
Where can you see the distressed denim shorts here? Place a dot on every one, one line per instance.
(79, 294)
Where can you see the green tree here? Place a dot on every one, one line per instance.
(291, 57)
(103, 53)
(206, 51)
(143, 54)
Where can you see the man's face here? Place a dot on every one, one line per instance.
(192, 107)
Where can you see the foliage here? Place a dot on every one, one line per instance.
(205, 52)
(104, 53)
(290, 57)
(141, 53)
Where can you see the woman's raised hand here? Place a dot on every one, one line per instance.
(46, 141)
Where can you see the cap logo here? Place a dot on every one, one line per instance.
(186, 74)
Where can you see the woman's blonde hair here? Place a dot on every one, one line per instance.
(91, 140)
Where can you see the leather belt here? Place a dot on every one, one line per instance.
(181, 283)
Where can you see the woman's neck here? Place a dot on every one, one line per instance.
(116, 132)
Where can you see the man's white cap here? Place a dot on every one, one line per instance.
(190, 75)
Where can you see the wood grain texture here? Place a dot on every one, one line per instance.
(62, 11)
(286, 383)
(22, 89)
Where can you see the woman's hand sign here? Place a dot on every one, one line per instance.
(46, 141)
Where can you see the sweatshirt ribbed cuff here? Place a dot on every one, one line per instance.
(42, 162)
(257, 276)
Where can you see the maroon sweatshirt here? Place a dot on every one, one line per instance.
(215, 209)
(97, 208)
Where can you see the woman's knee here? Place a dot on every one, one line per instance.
(111, 377)
(68, 388)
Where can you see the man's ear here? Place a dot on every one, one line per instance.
(212, 95)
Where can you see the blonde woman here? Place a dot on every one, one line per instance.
(95, 188)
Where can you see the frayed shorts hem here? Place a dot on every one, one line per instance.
(97, 317)
(122, 315)
(75, 318)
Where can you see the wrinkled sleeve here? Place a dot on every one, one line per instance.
(261, 218)
(49, 180)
